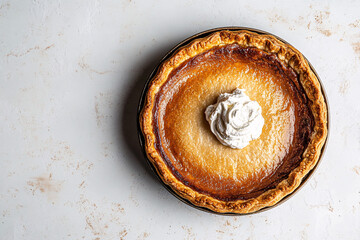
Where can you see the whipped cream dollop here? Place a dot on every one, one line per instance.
(235, 119)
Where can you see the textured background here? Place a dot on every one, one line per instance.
(71, 74)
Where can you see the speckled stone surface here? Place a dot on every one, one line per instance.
(71, 74)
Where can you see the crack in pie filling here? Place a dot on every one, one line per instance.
(190, 158)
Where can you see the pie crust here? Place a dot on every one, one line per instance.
(290, 58)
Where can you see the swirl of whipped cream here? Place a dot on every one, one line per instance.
(235, 119)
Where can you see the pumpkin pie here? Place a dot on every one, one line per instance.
(193, 162)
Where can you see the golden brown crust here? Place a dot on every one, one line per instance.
(285, 53)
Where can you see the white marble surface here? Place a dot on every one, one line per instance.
(71, 73)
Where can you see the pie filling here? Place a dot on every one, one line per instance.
(194, 155)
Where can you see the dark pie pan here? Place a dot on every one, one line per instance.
(141, 104)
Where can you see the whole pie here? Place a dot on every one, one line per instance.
(188, 156)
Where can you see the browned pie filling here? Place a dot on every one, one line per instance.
(194, 155)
